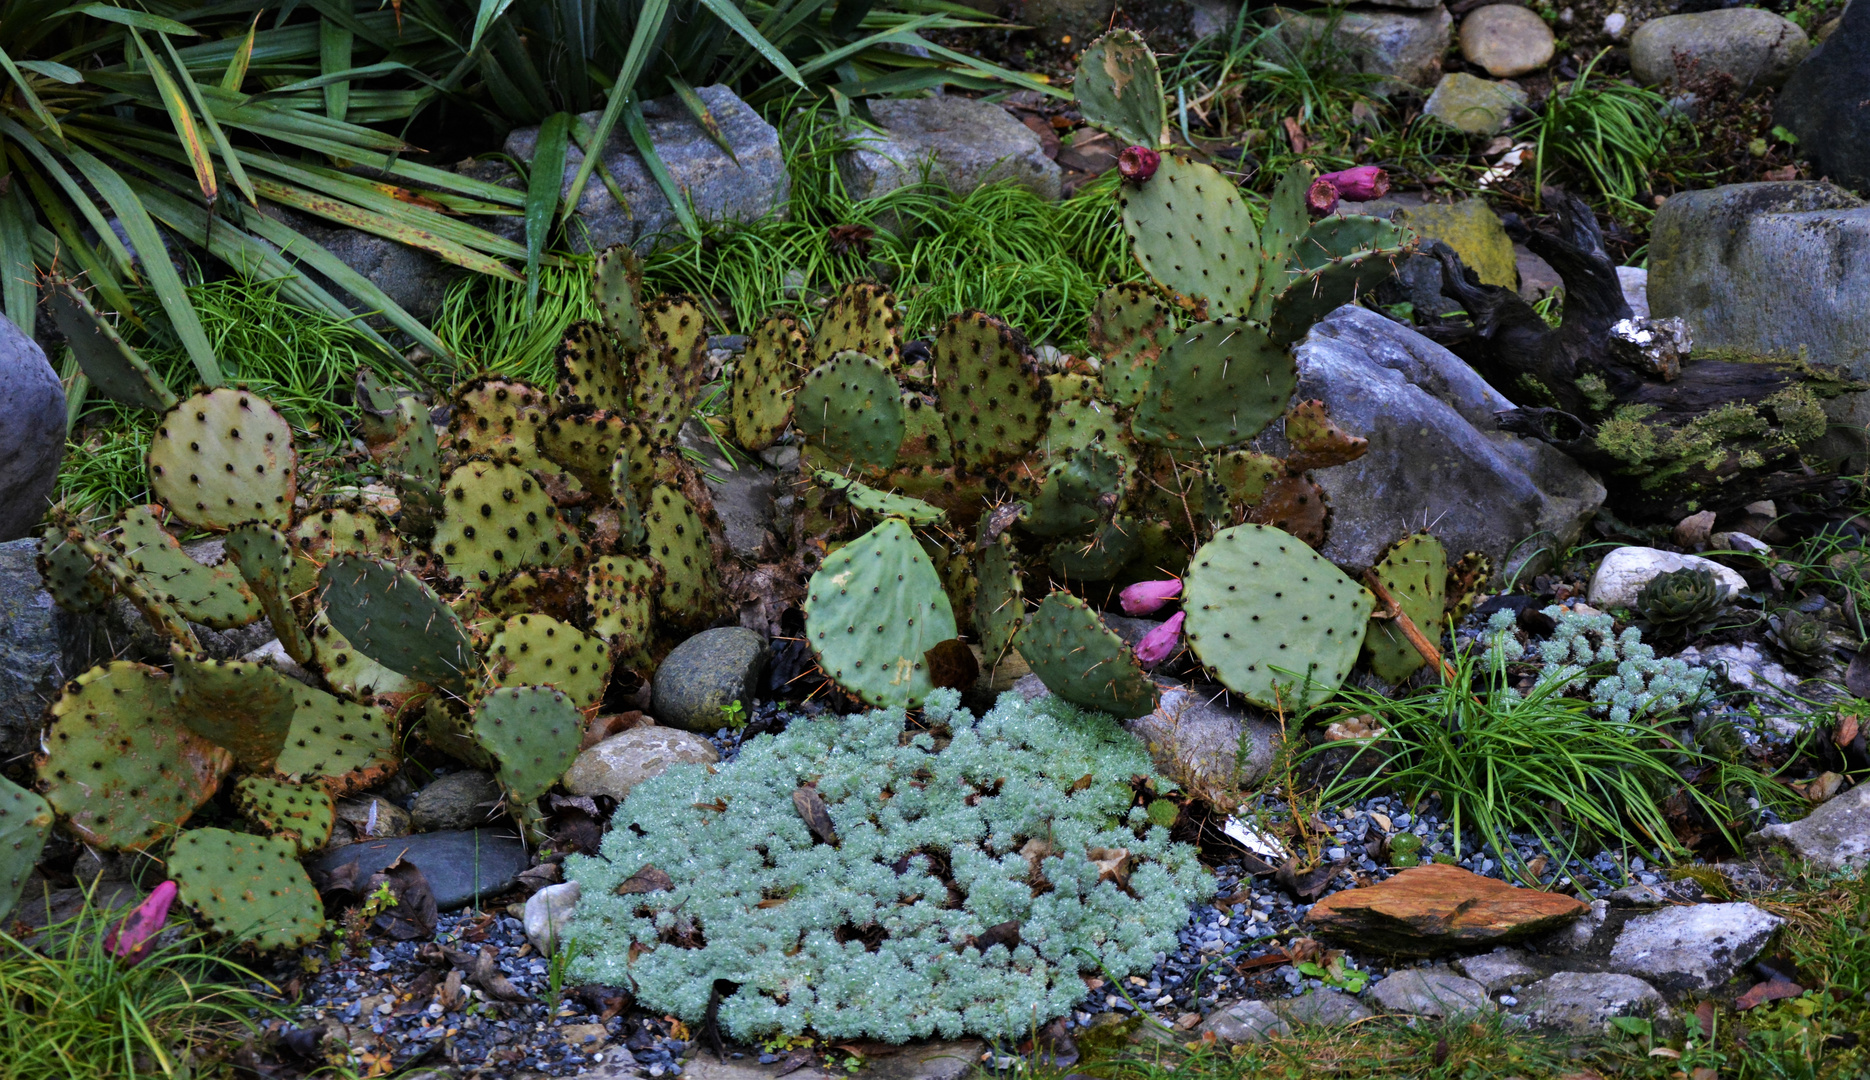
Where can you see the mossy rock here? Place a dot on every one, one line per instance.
(1470, 227)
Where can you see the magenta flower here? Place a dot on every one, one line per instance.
(1160, 642)
(1147, 596)
(1361, 184)
(1322, 197)
(1138, 163)
(131, 939)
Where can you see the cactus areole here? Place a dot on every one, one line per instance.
(1138, 163)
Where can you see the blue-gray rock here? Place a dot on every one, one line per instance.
(1835, 836)
(745, 187)
(1693, 948)
(413, 278)
(1321, 1008)
(961, 142)
(706, 674)
(1244, 1022)
(462, 866)
(1500, 969)
(1822, 103)
(459, 800)
(1435, 992)
(32, 431)
(1585, 1002)
(1400, 47)
(1435, 452)
(1756, 48)
(41, 646)
(1772, 268)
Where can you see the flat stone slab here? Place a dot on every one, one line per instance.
(1835, 836)
(1585, 1002)
(1434, 992)
(943, 1060)
(1437, 908)
(462, 866)
(1692, 948)
(1500, 969)
(1321, 1008)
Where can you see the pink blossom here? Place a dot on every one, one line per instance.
(1160, 642)
(131, 939)
(1361, 184)
(1322, 197)
(1147, 596)
(1138, 163)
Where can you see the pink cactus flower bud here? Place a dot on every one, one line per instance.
(1138, 163)
(1147, 596)
(1322, 197)
(1160, 642)
(132, 938)
(1361, 184)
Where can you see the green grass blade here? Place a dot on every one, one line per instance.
(737, 22)
(387, 225)
(236, 72)
(32, 100)
(20, 290)
(334, 58)
(74, 192)
(137, 20)
(702, 114)
(542, 191)
(600, 137)
(490, 10)
(228, 157)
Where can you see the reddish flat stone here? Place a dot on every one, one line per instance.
(1435, 908)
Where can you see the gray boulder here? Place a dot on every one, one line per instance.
(706, 674)
(1435, 453)
(960, 142)
(1835, 836)
(742, 490)
(745, 187)
(462, 867)
(1693, 948)
(460, 800)
(1205, 743)
(1434, 992)
(41, 646)
(1244, 1022)
(1772, 268)
(32, 431)
(623, 761)
(1507, 40)
(1500, 969)
(1822, 102)
(413, 278)
(1584, 1002)
(1756, 47)
(1475, 105)
(1321, 1008)
(1400, 47)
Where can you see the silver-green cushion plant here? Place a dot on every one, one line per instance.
(1026, 811)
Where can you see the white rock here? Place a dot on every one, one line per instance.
(1614, 24)
(1694, 948)
(1625, 571)
(1635, 283)
(1500, 969)
(1835, 836)
(547, 912)
(1745, 666)
(625, 760)
(1431, 992)
(1244, 1022)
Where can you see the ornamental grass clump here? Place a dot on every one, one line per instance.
(870, 877)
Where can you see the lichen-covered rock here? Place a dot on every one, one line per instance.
(1753, 46)
(1692, 948)
(1585, 1003)
(1400, 47)
(706, 675)
(459, 800)
(1474, 105)
(964, 144)
(1435, 992)
(1470, 227)
(1244, 1022)
(32, 431)
(1834, 836)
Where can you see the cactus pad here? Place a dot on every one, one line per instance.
(1119, 89)
(617, 286)
(120, 767)
(533, 733)
(1128, 323)
(1258, 600)
(1217, 383)
(1341, 236)
(586, 443)
(1244, 475)
(498, 418)
(1316, 293)
(861, 318)
(396, 620)
(851, 407)
(538, 650)
(25, 822)
(495, 518)
(244, 706)
(222, 457)
(763, 378)
(150, 602)
(320, 536)
(1316, 441)
(295, 813)
(690, 591)
(1287, 220)
(1078, 424)
(264, 558)
(590, 369)
(1468, 577)
(999, 597)
(399, 435)
(115, 369)
(69, 574)
(1189, 229)
(881, 503)
(872, 612)
(250, 889)
(1078, 492)
(1295, 504)
(347, 669)
(672, 368)
(1100, 557)
(1083, 661)
(1415, 571)
(343, 745)
(620, 593)
(993, 398)
(214, 596)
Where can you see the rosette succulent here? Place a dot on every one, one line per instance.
(1680, 604)
(1803, 638)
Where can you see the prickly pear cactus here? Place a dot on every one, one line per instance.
(296, 813)
(690, 591)
(400, 437)
(673, 367)
(396, 620)
(69, 574)
(1468, 577)
(1078, 494)
(1083, 661)
(1315, 292)
(1244, 475)
(533, 733)
(1287, 220)
(773, 363)
(25, 822)
(1317, 442)
(617, 286)
(1275, 622)
(222, 457)
(851, 408)
(1119, 89)
(586, 442)
(1079, 424)
(999, 598)
(250, 889)
(993, 397)
(243, 706)
(214, 596)
(873, 611)
(321, 536)
(590, 369)
(495, 518)
(157, 609)
(115, 369)
(498, 418)
(341, 745)
(620, 593)
(881, 503)
(1128, 325)
(264, 558)
(347, 670)
(1100, 556)
(119, 765)
(1189, 228)
(1415, 571)
(538, 650)
(861, 318)
(1217, 383)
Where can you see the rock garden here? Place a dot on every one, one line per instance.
(918, 540)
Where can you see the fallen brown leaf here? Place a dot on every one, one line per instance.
(647, 880)
(1771, 990)
(811, 806)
